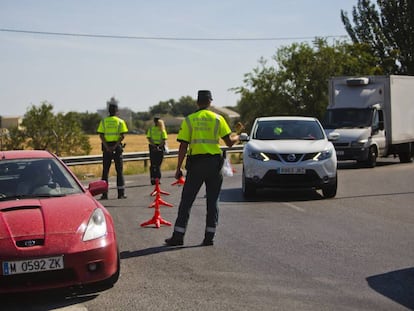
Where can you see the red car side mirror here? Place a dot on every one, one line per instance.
(98, 187)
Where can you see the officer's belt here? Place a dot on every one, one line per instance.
(204, 156)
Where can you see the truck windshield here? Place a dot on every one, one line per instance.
(347, 118)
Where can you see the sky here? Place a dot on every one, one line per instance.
(142, 52)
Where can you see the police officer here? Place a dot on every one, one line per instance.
(199, 134)
(157, 137)
(112, 131)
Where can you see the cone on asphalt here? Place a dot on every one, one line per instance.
(157, 219)
(157, 189)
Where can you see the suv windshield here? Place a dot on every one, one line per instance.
(35, 178)
(288, 129)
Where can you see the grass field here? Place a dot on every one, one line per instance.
(134, 143)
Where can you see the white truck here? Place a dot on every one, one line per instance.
(374, 117)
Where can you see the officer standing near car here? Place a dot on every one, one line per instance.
(157, 137)
(199, 134)
(112, 130)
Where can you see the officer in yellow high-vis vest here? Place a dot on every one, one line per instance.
(199, 137)
(112, 130)
(157, 138)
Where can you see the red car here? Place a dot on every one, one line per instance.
(53, 232)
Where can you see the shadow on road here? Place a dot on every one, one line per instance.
(270, 195)
(155, 250)
(395, 285)
(42, 301)
(353, 165)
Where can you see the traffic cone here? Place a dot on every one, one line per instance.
(158, 201)
(157, 193)
(157, 219)
(157, 189)
(179, 182)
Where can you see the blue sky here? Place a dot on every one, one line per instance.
(81, 73)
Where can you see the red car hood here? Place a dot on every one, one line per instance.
(41, 217)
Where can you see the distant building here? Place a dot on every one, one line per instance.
(231, 114)
(11, 122)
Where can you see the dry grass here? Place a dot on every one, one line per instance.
(134, 143)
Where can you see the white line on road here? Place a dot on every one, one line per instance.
(295, 207)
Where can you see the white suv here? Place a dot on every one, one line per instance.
(289, 153)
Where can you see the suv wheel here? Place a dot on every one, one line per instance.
(248, 188)
(329, 191)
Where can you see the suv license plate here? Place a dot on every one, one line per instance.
(33, 265)
(292, 170)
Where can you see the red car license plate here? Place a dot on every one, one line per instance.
(33, 265)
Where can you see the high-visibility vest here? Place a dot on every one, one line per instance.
(156, 134)
(203, 130)
(112, 127)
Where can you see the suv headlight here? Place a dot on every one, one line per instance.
(258, 156)
(323, 155)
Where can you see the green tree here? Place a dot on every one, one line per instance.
(14, 140)
(41, 129)
(70, 139)
(89, 122)
(297, 83)
(388, 29)
(39, 124)
(139, 119)
(185, 106)
(163, 107)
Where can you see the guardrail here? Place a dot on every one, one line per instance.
(133, 156)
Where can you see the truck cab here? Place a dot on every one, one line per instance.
(361, 133)
(356, 113)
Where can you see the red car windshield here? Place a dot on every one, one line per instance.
(21, 178)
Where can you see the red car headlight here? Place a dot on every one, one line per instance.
(96, 226)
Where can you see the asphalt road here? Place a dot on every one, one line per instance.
(281, 251)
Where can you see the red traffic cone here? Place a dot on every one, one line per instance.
(157, 193)
(157, 189)
(158, 201)
(156, 220)
(180, 181)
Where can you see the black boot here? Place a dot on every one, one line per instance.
(104, 196)
(176, 239)
(121, 194)
(208, 239)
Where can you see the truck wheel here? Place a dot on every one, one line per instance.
(329, 191)
(372, 157)
(248, 188)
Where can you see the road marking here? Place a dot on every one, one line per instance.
(295, 207)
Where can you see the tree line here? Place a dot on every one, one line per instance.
(293, 82)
